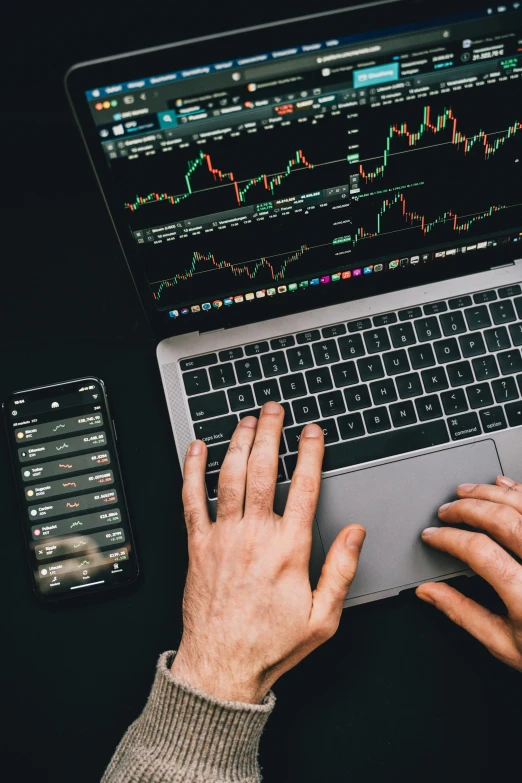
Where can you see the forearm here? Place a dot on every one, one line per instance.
(185, 736)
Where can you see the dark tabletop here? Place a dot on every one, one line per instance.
(399, 695)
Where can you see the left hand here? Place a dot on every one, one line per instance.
(497, 510)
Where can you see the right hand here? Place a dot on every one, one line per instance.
(497, 510)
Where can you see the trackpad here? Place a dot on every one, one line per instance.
(395, 502)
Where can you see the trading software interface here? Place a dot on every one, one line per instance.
(319, 163)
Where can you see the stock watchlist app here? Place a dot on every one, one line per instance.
(71, 493)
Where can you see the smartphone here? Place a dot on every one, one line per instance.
(73, 509)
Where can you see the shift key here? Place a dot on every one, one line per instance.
(204, 406)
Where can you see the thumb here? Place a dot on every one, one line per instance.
(336, 577)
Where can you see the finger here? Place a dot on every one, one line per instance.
(503, 522)
(484, 556)
(336, 577)
(504, 491)
(306, 481)
(490, 629)
(232, 478)
(194, 493)
(262, 465)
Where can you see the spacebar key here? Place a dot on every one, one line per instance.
(388, 444)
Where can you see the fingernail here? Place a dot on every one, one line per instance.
(504, 481)
(355, 538)
(425, 597)
(195, 448)
(311, 431)
(443, 508)
(249, 421)
(428, 531)
(465, 488)
(271, 407)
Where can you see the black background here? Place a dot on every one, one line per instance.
(398, 695)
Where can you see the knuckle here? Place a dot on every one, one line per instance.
(228, 498)
(305, 483)
(260, 489)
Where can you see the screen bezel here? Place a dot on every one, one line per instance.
(238, 43)
(64, 388)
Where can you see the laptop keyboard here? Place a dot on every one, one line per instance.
(398, 382)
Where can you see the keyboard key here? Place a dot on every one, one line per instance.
(330, 431)
(293, 386)
(485, 368)
(493, 419)
(514, 413)
(502, 312)
(410, 313)
(358, 326)
(345, 374)
(288, 418)
(384, 320)
(282, 342)
(484, 296)
(421, 356)
(267, 390)
(293, 436)
(248, 370)
(357, 398)
(215, 457)
(510, 361)
(230, 354)
(300, 358)
(389, 444)
(377, 340)
(479, 395)
(409, 385)
(383, 391)
(505, 390)
(428, 407)
(334, 331)
(403, 414)
(211, 480)
(196, 382)
(460, 302)
(452, 323)
(371, 368)
(447, 350)
(222, 375)
(518, 305)
(472, 345)
(274, 364)
(510, 290)
(319, 380)
(207, 405)
(377, 420)
(241, 398)
(460, 374)
(198, 361)
(497, 339)
(351, 426)
(427, 329)
(331, 403)
(351, 347)
(216, 430)
(396, 362)
(326, 352)
(465, 426)
(308, 337)
(402, 335)
(435, 307)
(477, 317)
(435, 380)
(305, 410)
(454, 402)
(515, 330)
(255, 348)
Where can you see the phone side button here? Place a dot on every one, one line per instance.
(114, 428)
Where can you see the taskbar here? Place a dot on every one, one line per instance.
(341, 275)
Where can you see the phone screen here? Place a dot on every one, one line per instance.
(66, 468)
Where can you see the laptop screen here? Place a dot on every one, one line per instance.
(270, 174)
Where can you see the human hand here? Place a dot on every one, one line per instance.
(249, 612)
(497, 510)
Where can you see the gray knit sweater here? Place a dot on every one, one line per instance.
(185, 736)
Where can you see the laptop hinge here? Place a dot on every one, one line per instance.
(211, 331)
(502, 266)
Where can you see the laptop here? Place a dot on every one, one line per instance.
(326, 211)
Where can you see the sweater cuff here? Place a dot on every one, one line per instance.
(192, 732)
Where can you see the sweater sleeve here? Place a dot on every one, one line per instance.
(185, 736)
